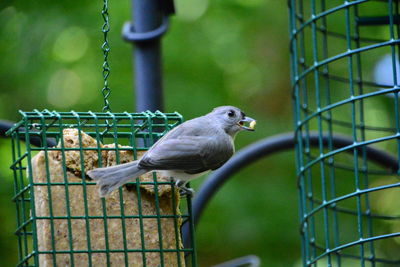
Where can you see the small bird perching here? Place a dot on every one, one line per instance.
(186, 152)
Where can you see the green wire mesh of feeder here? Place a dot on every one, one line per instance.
(61, 219)
(345, 76)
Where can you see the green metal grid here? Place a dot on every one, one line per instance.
(136, 130)
(334, 46)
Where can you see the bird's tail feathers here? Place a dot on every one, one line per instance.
(110, 178)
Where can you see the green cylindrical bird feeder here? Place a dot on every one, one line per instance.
(345, 77)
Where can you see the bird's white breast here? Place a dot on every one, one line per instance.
(180, 175)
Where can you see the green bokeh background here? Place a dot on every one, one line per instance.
(216, 53)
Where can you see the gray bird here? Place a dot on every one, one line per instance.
(186, 152)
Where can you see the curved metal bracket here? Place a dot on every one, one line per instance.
(130, 35)
(250, 261)
(263, 148)
(34, 140)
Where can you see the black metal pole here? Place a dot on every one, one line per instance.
(150, 22)
(147, 16)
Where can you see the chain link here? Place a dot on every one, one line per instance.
(106, 91)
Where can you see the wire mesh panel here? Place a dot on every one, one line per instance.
(345, 76)
(61, 219)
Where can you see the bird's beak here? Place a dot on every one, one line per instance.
(252, 124)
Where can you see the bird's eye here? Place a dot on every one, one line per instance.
(231, 113)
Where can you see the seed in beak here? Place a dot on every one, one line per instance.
(252, 124)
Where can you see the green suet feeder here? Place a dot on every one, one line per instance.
(61, 219)
(345, 77)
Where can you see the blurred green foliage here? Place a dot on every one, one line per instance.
(232, 52)
(215, 53)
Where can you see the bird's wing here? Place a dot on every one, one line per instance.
(192, 154)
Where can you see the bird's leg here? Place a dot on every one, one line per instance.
(183, 190)
(186, 191)
(178, 183)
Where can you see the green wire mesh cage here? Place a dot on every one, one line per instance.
(61, 219)
(345, 77)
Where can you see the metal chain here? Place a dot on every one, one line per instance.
(106, 91)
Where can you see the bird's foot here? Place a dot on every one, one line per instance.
(183, 190)
(178, 183)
